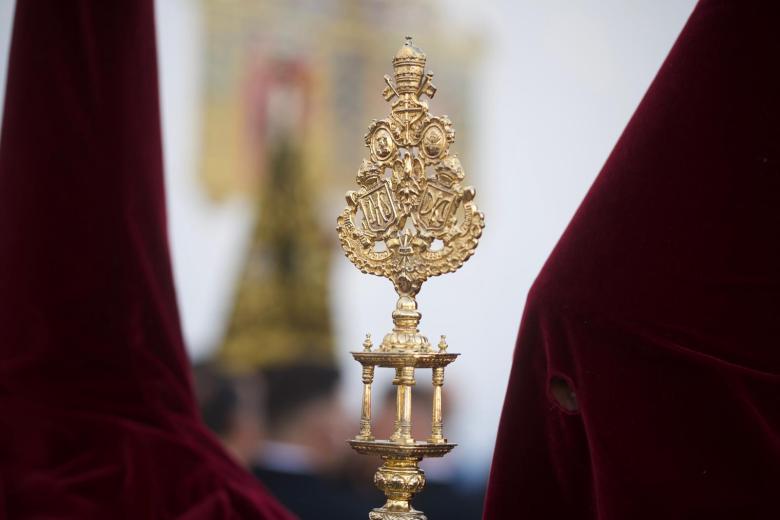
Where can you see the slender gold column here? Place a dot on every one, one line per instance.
(405, 427)
(437, 436)
(402, 431)
(399, 399)
(436, 430)
(365, 412)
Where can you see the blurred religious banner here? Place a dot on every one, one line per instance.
(288, 88)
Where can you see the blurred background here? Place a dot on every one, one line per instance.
(264, 106)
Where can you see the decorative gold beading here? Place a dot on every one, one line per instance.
(410, 219)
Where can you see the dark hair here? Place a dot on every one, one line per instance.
(290, 388)
(217, 397)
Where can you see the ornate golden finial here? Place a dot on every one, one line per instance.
(409, 220)
(419, 203)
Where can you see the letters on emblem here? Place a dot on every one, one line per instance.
(378, 209)
(436, 207)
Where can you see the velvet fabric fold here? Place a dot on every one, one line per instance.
(658, 312)
(97, 415)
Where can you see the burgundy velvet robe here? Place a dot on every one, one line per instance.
(660, 305)
(97, 416)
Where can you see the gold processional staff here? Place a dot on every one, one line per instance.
(410, 219)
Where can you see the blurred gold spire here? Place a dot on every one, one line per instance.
(281, 313)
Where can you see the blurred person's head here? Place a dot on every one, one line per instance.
(304, 416)
(231, 407)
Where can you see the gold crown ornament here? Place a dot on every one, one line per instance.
(410, 219)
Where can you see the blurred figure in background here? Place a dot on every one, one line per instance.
(287, 425)
(305, 423)
(303, 456)
(233, 408)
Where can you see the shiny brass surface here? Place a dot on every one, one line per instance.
(387, 448)
(399, 360)
(410, 192)
(410, 219)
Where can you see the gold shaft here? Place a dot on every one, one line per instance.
(399, 399)
(406, 383)
(406, 420)
(365, 412)
(437, 436)
(402, 431)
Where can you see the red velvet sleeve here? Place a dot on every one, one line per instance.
(97, 416)
(660, 305)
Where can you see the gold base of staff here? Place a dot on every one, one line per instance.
(400, 477)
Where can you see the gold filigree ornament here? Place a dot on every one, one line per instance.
(410, 219)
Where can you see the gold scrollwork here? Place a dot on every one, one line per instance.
(410, 189)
